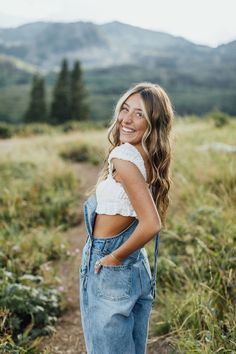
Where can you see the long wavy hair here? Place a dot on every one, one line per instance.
(158, 112)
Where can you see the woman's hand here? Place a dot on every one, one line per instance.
(108, 261)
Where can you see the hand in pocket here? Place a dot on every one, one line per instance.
(107, 260)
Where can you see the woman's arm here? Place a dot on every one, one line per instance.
(141, 199)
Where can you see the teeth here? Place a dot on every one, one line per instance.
(127, 130)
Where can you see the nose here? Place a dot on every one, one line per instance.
(128, 117)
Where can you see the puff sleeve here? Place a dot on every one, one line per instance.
(127, 152)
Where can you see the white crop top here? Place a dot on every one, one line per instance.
(110, 194)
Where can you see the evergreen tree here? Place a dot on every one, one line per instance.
(60, 108)
(36, 111)
(78, 108)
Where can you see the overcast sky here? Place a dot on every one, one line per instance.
(210, 22)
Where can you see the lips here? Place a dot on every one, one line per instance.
(127, 130)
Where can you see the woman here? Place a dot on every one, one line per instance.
(126, 211)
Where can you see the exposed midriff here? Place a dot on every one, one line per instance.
(110, 225)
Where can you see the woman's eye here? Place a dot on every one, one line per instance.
(140, 115)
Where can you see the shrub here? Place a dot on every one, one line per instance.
(219, 118)
(31, 129)
(83, 126)
(82, 153)
(27, 311)
(6, 131)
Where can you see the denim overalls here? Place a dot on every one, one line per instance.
(116, 302)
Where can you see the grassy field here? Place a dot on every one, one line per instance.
(196, 288)
(197, 275)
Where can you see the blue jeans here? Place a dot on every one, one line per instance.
(116, 302)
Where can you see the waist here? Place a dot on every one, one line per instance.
(107, 226)
(102, 247)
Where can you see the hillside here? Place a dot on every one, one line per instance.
(114, 56)
(115, 43)
(15, 71)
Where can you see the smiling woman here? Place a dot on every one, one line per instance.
(132, 121)
(132, 127)
(128, 209)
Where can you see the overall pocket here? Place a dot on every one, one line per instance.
(115, 282)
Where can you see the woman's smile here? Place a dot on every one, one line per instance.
(126, 130)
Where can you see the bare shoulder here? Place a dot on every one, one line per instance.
(137, 190)
(128, 153)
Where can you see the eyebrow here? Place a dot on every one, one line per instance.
(137, 109)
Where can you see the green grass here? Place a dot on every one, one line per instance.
(194, 309)
(196, 287)
(38, 203)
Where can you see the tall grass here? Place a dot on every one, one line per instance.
(196, 290)
(38, 202)
(194, 309)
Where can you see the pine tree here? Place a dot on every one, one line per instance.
(37, 111)
(78, 108)
(60, 107)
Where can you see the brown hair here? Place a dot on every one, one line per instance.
(159, 114)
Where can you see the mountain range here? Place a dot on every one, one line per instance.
(115, 43)
(115, 55)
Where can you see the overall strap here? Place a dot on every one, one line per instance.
(154, 275)
(89, 207)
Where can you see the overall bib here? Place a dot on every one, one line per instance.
(116, 302)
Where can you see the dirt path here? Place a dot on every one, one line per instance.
(68, 338)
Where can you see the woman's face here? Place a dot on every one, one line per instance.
(131, 120)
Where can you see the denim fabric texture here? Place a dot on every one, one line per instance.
(116, 302)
